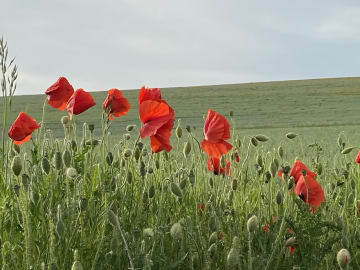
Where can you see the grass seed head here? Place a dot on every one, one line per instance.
(234, 184)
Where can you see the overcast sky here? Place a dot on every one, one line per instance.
(125, 44)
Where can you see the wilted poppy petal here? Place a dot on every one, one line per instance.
(20, 131)
(215, 149)
(297, 169)
(79, 102)
(216, 127)
(115, 104)
(149, 94)
(59, 93)
(310, 191)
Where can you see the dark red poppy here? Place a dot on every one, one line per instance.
(310, 191)
(115, 104)
(213, 164)
(357, 159)
(79, 102)
(20, 131)
(216, 132)
(297, 171)
(59, 93)
(157, 118)
(236, 157)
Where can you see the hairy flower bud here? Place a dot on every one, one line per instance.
(45, 165)
(261, 138)
(58, 160)
(253, 141)
(252, 224)
(16, 165)
(280, 151)
(178, 132)
(343, 257)
(67, 158)
(176, 190)
(291, 135)
(65, 120)
(187, 149)
(177, 232)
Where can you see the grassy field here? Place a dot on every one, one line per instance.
(65, 203)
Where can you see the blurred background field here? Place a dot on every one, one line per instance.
(319, 110)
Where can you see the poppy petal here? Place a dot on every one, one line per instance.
(310, 190)
(215, 149)
(153, 109)
(216, 127)
(21, 129)
(59, 93)
(79, 102)
(115, 104)
(26, 139)
(149, 94)
(297, 169)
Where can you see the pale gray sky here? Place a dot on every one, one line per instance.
(125, 44)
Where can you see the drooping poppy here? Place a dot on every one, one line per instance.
(216, 132)
(310, 191)
(157, 118)
(59, 93)
(213, 164)
(297, 171)
(20, 131)
(115, 104)
(357, 159)
(79, 102)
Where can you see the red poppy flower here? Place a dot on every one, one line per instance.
(216, 132)
(59, 93)
(201, 208)
(357, 159)
(297, 170)
(213, 164)
(20, 131)
(310, 191)
(115, 104)
(79, 102)
(267, 227)
(158, 119)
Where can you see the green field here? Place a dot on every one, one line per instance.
(115, 205)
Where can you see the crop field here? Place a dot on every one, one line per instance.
(285, 195)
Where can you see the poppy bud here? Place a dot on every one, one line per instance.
(67, 158)
(137, 154)
(129, 177)
(109, 158)
(127, 153)
(25, 179)
(129, 128)
(339, 141)
(233, 258)
(231, 113)
(212, 250)
(127, 136)
(291, 135)
(148, 232)
(280, 151)
(234, 184)
(187, 149)
(211, 182)
(73, 145)
(222, 162)
(252, 224)
(213, 226)
(177, 232)
(178, 132)
(71, 172)
(65, 120)
(182, 183)
(273, 169)
(253, 141)
(16, 165)
(142, 168)
(192, 177)
(175, 189)
(213, 238)
(77, 266)
(140, 145)
(157, 164)
(261, 138)
(16, 148)
(279, 198)
(259, 160)
(151, 191)
(91, 127)
(291, 183)
(45, 165)
(188, 128)
(347, 150)
(343, 257)
(238, 142)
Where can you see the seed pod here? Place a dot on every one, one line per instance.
(347, 150)
(16, 165)
(129, 128)
(279, 198)
(151, 191)
(175, 189)
(253, 141)
(45, 165)
(233, 258)
(213, 238)
(252, 224)
(58, 160)
(129, 177)
(273, 169)
(137, 154)
(127, 153)
(259, 160)
(261, 138)
(109, 158)
(238, 142)
(291, 135)
(343, 257)
(234, 184)
(65, 120)
(187, 149)
(177, 232)
(280, 151)
(66, 158)
(16, 148)
(178, 132)
(213, 226)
